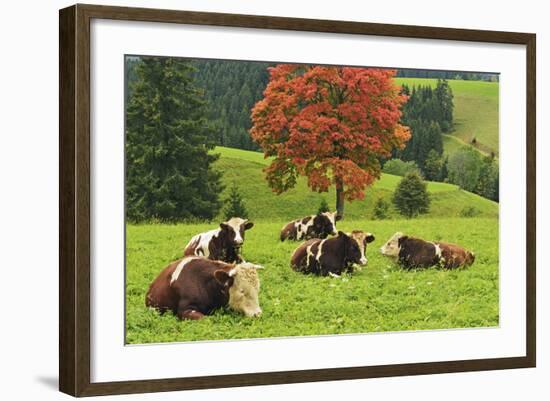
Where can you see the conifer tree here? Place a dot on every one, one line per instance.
(444, 172)
(380, 211)
(444, 96)
(323, 207)
(433, 166)
(411, 197)
(235, 206)
(169, 173)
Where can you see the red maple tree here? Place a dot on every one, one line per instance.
(330, 124)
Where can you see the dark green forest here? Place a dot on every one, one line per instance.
(231, 88)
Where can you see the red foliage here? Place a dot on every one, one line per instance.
(330, 124)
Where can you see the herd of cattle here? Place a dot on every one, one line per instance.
(212, 273)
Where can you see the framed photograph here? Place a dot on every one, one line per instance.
(250, 200)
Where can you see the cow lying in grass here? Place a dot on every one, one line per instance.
(315, 226)
(414, 252)
(332, 256)
(193, 287)
(223, 243)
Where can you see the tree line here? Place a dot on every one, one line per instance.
(466, 76)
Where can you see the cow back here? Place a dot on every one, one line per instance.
(189, 283)
(454, 255)
(415, 252)
(160, 294)
(302, 255)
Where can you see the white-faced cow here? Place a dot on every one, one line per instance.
(319, 225)
(223, 243)
(193, 287)
(414, 252)
(332, 256)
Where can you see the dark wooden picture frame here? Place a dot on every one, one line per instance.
(74, 199)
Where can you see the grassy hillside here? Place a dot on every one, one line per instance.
(476, 111)
(381, 297)
(245, 169)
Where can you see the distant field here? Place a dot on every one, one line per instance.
(476, 110)
(451, 144)
(381, 297)
(245, 169)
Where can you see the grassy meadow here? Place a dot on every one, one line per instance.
(476, 112)
(380, 297)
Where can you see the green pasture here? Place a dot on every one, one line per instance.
(380, 297)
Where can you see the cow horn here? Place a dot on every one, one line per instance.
(232, 272)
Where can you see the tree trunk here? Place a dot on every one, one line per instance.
(340, 198)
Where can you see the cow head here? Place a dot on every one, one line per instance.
(325, 224)
(243, 293)
(470, 258)
(234, 229)
(393, 245)
(352, 250)
(362, 239)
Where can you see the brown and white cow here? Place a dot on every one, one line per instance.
(223, 243)
(332, 256)
(193, 287)
(319, 225)
(414, 252)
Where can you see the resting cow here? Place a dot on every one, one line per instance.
(193, 287)
(314, 226)
(332, 256)
(223, 243)
(414, 252)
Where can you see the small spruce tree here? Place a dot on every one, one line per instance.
(234, 204)
(411, 197)
(444, 173)
(323, 207)
(432, 166)
(381, 208)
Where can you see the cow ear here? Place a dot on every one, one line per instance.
(402, 239)
(337, 216)
(369, 238)
(223, 278)
(248, 225)
(224, 226)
